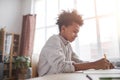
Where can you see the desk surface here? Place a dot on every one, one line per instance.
(77, 76)
(64, 76)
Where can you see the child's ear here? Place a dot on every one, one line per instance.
(63, 28)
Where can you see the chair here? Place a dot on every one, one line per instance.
(35, 59)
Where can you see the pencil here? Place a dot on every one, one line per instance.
(89, 77)
(106, 59)
(105, 56)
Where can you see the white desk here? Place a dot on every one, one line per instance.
(79, 75)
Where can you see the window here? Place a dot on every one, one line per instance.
(99, 34)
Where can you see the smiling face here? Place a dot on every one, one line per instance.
(70, 32)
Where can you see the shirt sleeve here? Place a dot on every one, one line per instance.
(56, 58)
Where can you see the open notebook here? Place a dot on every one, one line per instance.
(109, 78)
(102, 71)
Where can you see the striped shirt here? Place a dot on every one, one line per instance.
(56, 56)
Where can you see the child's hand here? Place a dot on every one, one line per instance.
(103, 64)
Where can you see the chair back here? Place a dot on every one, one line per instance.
(35, 59)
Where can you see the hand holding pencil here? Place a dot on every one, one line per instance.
(103, 63)
(110, 65)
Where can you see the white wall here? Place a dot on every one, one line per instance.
(11, 12)
(27, 7)
(10, 15)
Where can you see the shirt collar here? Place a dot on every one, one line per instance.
(64, 40)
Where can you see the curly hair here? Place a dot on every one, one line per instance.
(67, 18)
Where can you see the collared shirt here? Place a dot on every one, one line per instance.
(56, 56)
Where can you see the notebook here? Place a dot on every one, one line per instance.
(109, 78)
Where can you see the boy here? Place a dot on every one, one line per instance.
(57, 55)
